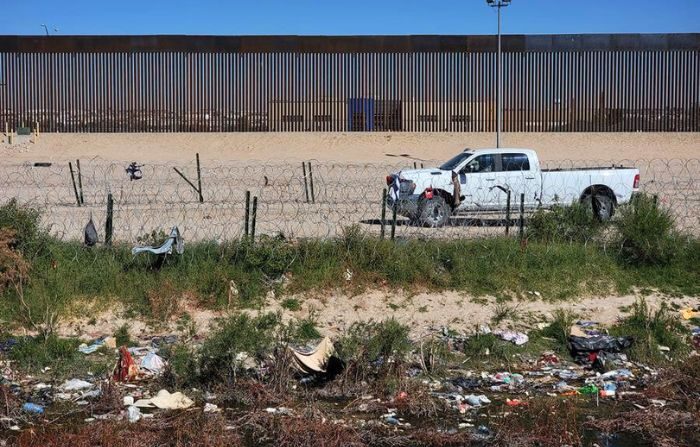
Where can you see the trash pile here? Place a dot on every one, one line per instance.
(133, 372)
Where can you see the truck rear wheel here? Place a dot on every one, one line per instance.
(434, 213)
(604, 206)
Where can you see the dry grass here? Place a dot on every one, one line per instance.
(544, 422)
(185, 429)
(163, 301)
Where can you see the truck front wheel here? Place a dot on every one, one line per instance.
(434, 213)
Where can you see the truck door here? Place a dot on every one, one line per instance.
(476, 180)
(517, 174)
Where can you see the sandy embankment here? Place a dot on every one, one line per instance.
(345, 147)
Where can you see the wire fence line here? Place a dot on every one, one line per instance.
(309, 200)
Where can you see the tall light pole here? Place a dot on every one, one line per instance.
(498, 4)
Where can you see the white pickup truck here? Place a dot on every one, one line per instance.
(479, 180)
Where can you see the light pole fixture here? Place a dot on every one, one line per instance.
(46, 28)
(499, 4)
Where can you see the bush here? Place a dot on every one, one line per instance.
(645, 233)
(573, 223)
(220, 353)
(651, 329)
(24, 221)
(372, 341)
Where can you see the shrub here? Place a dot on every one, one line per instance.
(573, 223)
(645, 233)
(220, 353)
(651, 329)
(25, 221)
(372, 341)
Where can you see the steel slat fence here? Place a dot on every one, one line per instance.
(582, 83)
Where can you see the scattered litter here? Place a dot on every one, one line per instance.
(75, 385)
(174, 240)
(690, 313)
(617, 374)
(589, 390)
(126, 369)
(133, 413)
(90, 233)
(134, 171)
(166, 401)
(518, 338)
(586, 350)
(127, 401)
(316, 360)
(33, 408)
(109, 342)
(278, 410)
(609, 389)
(516, 403)
(211, 408)
(477, 401)
(153, 363)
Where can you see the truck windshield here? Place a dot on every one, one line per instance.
(452, 163)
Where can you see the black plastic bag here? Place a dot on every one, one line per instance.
(90, 233)
(607, 343)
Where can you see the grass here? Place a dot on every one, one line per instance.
(292, 304)
(651, 329)
(61, 355)
(64, 272)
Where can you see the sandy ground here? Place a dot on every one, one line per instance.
(346, 147)
(425, 313)
(348, 178)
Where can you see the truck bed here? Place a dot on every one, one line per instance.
(595, 168)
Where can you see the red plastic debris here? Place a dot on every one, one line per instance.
(126, 368)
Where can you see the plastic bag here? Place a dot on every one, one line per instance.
(90, 233)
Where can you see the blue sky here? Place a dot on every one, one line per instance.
(346, 17)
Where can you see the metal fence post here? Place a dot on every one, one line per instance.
(522, 216)
(80, 181)
(382, 223)
(199, 180)
(254, 218)
(109, 223)
(247, 212)
(508, 213)
(306, 186)
(75, 188)
(311, 184)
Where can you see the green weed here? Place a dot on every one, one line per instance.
(651, 329)
(292, 304)
(573, 223)
(646, 233)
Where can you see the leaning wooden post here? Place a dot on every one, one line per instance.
(508, 213)
(109, 224)
(382, 230)
(254, 218)
(311, 184)
(80, 181)
(393, 222)
(247, 212)
(656, 200)
(306, 186)
(522, 216)
(199, 180)
(72, 178)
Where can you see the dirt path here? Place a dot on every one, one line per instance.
(424, 313)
